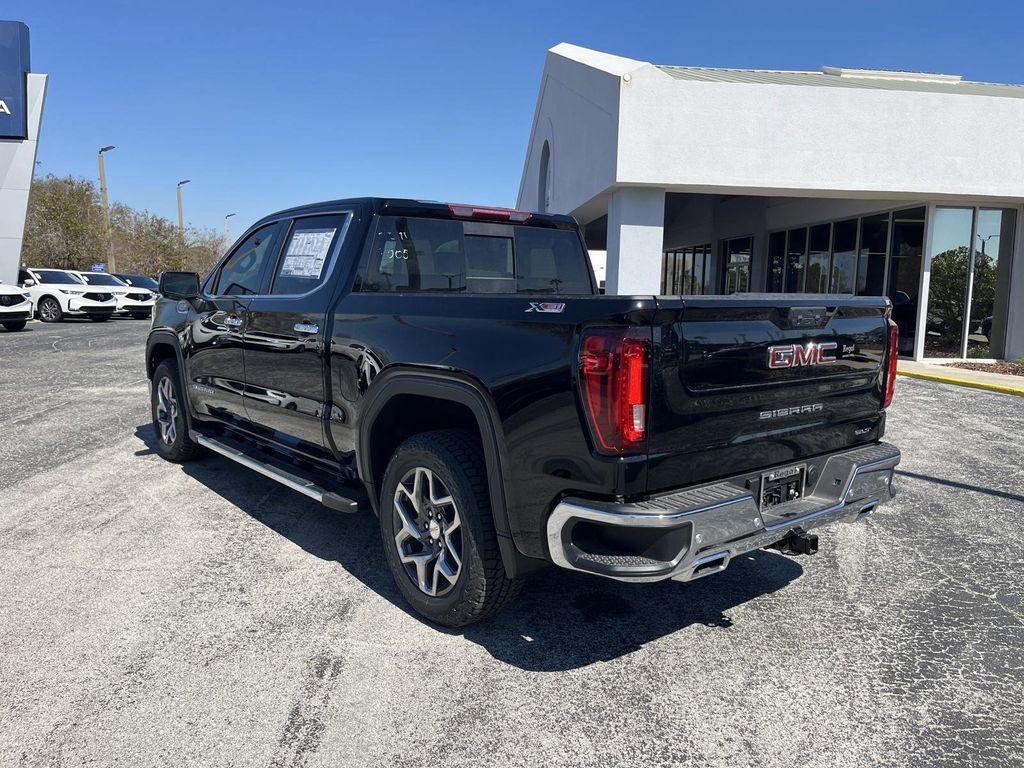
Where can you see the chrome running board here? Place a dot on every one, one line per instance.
(295, 482)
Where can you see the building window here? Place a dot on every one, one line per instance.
(849, 256)
(906, 254)
(796, 260)
(686, 271)
(819, 249)
(844, 257)
(776, 261)
(968, 289)
(874, 242)
(736, 261)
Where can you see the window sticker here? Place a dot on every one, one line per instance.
(307, 253)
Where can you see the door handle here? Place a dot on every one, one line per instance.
(233, 321)
(306, 328)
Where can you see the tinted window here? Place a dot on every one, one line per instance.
(242, 272)
(776, 261)
(411, 254)
(55, 277)
(305, 261)
(140, 281)
(97, 278)
(550, 261)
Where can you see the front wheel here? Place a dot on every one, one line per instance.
(50, 311)
(168, 406)
(15, 325)
(438, 530)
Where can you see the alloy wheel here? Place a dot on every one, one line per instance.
(166, 410)
(48, 310)
(428, 532)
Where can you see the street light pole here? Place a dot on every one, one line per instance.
(106, 208)
(181, 219)
(227, 235)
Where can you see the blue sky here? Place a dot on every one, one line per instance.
(267, 105)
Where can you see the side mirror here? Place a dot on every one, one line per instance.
(29, 283)
(179, 285)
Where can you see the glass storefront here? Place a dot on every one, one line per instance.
(687, 271)
(736, 255)
(969, 283)
(904, 283)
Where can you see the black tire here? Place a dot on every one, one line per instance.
(172, 440)
(49, 310)
(481, 587)
(15, 325)
(100, 318)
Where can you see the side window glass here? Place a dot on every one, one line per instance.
(241, 273)
(305, 261)
(416, 255)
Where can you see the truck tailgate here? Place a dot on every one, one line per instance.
(753, 380)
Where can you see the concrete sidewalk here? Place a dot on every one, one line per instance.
(993, 382)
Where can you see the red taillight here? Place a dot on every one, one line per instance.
(613, 374)
(894, 355)
(479, 212)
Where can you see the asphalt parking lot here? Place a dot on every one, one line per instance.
(154, 614)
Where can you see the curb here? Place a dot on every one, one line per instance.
(1005, 389)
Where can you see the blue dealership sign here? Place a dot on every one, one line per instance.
(14, 68)
(100, 267)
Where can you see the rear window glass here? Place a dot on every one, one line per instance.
(415, 254)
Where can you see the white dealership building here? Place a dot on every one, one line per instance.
(696, 180)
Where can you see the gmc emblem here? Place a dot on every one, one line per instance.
(797, 355)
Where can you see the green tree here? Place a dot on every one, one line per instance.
(64, 227)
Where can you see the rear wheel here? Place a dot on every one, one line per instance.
(50, 311)
(438, 530)
(15, 325)
(168, 406)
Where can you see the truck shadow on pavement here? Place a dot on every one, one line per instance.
(561, 621)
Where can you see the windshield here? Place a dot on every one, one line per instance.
(56, 277)
(140, 281)
(101, 278)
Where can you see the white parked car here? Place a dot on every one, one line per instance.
(137, 302)
(15, 307)
(57, 294)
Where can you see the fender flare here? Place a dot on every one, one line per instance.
(465, 391)
(171, 339)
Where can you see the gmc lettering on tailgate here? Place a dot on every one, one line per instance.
(798, 355)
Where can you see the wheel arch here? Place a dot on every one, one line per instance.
(451, 400)
(163, 345)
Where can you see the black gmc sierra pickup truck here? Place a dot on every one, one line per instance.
(454, 369)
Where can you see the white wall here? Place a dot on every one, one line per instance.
(17, 162)
(577, 114)
(862, 142)
(636, 218)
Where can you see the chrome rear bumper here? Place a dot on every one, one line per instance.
(695, 532)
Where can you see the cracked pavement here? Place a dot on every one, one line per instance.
(160, 615)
